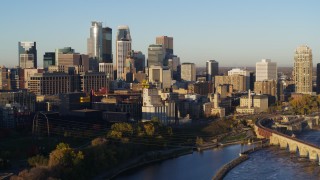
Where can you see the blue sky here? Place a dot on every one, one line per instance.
(235, 33)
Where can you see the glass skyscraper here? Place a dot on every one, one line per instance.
(99, 44)
(27, 55)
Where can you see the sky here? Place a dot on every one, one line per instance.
(235, 33)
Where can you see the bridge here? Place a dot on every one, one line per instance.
(302, 148)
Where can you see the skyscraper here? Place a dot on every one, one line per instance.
(49, 59)
(107, 45)
(167, 43)
(212, 69)
(266, 70)
(156, 55)
(95, 41)
(302, 70)
(188, 72)
(123, 46)
(27, 55)
(99, 44)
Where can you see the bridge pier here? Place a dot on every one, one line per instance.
(293, 148)
(283, 145)
(303, 153)
(313, 156)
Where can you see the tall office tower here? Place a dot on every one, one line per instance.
(212, 67)
(123, 46)
(188, 72)
(107, 45)
(27, 55)
(302, 70)
(156, 55)
(99, 44)
(266, 70)
(49, 59)
(167, 43)
(95, 41)
(318, 79)
(139, 60)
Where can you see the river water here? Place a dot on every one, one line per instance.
(269, 163)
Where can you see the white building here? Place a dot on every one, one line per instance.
(123, 46)
(188, 72)
(266, 70)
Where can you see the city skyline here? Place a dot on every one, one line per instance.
(235, 34)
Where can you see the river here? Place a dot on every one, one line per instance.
(269, 163)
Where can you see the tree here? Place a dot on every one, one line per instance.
(64, 156)
(38, 160)
(119, 130)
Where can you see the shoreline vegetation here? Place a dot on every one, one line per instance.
(127, 146)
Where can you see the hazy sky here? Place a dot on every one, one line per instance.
(233, 32)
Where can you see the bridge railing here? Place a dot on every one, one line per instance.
(259, 125)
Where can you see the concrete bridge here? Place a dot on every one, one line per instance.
(303, 149)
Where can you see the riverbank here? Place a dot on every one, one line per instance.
(223, 171)
(149, 158)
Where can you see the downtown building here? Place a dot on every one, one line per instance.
(167, 44)
(236, 82)
(156, 55)
(27, 55)
(302, 70)
(188, 72)
(266, 79)
(266, 70)
(123, 47)
(212, 69)
(99, 45)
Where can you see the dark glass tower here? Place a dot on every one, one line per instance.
(107, 45)
(49, 59)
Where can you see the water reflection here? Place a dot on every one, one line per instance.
(199, 165)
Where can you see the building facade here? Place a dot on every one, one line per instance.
(167, 43)
(212, 68)
(27, 55)
(238, 82)
(188, 72)
(99, 44)
(123, 46)
(266, 70)
(156, 55)
(49, 59)
(302, 70)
